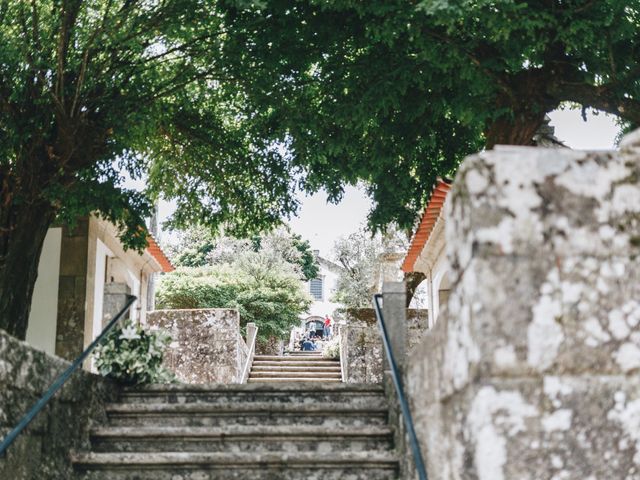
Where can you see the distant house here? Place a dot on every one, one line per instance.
(322, 289)
(427, 252)
(82, 276)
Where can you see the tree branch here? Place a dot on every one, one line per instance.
(599, 97)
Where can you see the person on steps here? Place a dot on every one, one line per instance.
(308, 345)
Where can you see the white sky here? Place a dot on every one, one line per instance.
(322, 223)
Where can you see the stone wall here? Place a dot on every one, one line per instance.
(206, 347)
(72, 290)
(42, 451)
(361, 350)
(532, 371)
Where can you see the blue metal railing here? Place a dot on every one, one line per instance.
(402, 399)
(60, 381)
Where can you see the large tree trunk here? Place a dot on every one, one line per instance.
(23, 227)
(518, 129)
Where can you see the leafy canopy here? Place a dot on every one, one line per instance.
(362, 257)
(396, 93)
(92, 88)
(198, 247)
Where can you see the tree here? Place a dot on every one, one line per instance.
(198, 247)
(361, 255)
(396, 93)
(92, 87)
(263, 291)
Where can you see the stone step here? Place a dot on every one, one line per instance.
(235, 466)
(293, 358)
(294, 392)
(305, 375)
(296, 363)
(275, 379)
(237, 439)
(374, 412)
(295, 368)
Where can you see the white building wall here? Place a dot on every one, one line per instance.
(123, 266)
(434, 264)
(41, 332)
(326, 306)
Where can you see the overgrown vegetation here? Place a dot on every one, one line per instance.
(227, 107)
(397, 92)
(131, 355)
(361, 254)
(198, 247)
(264, 290)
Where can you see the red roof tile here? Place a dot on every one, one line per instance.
(429, 219)
(156, 252)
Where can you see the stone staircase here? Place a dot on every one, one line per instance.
(259, 431)
(295, 367)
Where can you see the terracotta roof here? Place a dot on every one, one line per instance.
(429, 219)
(156, 252)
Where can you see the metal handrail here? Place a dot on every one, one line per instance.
(60, 381)
(397, 382)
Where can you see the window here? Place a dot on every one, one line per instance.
(315, 288)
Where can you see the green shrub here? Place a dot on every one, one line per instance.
(132, 355)
(266, 292)
(331, 348)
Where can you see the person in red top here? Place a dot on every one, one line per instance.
(327, 327)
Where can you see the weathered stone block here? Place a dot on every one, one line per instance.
(206, 344)
(361, 343)
(532, 371)
(42, 450)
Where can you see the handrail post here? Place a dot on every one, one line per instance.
(394, 296)
(252, 331)
(397, 383)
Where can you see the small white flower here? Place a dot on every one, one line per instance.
(129, 333)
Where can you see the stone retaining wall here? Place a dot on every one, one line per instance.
(42, 451)
(361, 350)
(532, 371)
(206, 347)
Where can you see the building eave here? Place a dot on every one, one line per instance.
(432, 213)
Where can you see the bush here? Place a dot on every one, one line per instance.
(332, 348)
(131, 355)
(264, 291)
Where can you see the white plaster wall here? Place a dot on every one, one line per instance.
(326, 306)
(439, 272)
(433, 262)
(102, 252)
(41, 332)
(132, 269)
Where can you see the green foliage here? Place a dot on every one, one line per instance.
(396, 93)
(198, 247)
(307, 261)
(132, 355)
(331, 349)
(360, 256)
(90, 89)
(268, 293)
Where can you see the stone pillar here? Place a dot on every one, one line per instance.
(252, 331)
(532, 371)
(395, 316)
(115, 297)
(72, 290)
